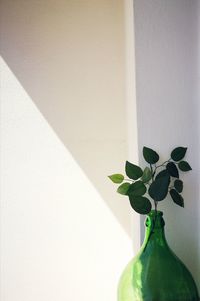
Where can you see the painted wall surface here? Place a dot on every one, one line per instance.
(70, 58)
(167, 86)
(59, 240)
(63, 123)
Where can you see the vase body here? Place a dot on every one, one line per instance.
(156, 273)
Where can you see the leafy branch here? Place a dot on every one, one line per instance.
(152, 184)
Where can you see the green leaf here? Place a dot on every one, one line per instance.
(178, 184)
(133, 171)
(117, 178)
(172, 169)
(137, 189)
(176, 197)
(159, 188)
(178, 153)
(162, 173)
(150, 155)
(184, 166)
(123, 188)
(140, 204)
(146, 177)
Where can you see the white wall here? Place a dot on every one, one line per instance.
(70, 58)
(167, 86)
(59, 240)
(63, 122)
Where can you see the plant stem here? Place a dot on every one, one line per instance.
(151, 171)
(129, 180)
(163, 164)
(156, 205)
(152, 228)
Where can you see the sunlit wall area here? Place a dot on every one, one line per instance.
(67, 83)
(70, 58)
(59, 240)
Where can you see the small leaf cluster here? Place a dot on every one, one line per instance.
(155, 181)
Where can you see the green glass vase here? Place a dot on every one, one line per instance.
(156, 273)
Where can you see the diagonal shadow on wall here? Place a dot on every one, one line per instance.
(70, 58)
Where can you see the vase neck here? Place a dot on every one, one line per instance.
(155, 233)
